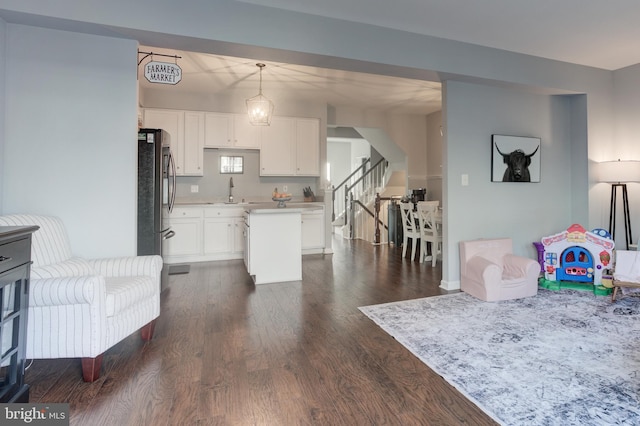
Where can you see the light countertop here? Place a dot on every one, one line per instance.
(271, 208)
(254, 206)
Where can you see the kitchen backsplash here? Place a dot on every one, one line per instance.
(250, 186)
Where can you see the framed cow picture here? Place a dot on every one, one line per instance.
(515, 159)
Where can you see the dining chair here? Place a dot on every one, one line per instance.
(430, 231)
(409, 229)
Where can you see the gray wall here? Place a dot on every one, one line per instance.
(626, 143)
(214, 186)
(524, 212)
(70, 147)
(246, 30)
(434, 156)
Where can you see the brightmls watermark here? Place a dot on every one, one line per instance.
(34, 414)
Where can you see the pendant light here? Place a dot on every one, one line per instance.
(260, 108)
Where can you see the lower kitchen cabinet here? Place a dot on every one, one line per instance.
(207, 233)
(313, 231)
(223, 236)
(187, 240)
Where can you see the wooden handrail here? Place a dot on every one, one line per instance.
(377, 204)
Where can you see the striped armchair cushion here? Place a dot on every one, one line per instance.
(50, 242)
(73, 267)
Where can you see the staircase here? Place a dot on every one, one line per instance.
(354, 201)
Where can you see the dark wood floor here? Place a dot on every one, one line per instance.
(228, 352)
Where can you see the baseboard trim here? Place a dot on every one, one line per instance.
(450, 285)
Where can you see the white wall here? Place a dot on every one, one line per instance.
(71, 125)
(339, 156)
(406, 131)
(484, 209)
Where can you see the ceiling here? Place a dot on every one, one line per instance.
(229, 76)
(586, 32)
(597, 33)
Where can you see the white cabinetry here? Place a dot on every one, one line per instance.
(290, 147)
(223, 232)
(186, 136)
(216, 232)
(193, 143)
(186, 222)
(274, 245)
(172, 122)
(230, 131)
(277, 148)
(313, 231)
(307, 147)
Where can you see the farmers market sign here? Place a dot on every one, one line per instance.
(162, 72)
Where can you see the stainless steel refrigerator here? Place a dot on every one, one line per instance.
(156, 190)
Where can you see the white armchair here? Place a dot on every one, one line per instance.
(80, 308)
(490, 272)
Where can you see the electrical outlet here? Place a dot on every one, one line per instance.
(285, 188)
(194, 188)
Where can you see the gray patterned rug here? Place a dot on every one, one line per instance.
(559, 358)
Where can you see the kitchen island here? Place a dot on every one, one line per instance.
(273, 243)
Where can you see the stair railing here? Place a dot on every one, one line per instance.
(361, 192)
(340, 203)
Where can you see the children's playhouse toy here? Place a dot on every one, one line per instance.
(576, 258)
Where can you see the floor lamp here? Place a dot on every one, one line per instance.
(619, 173)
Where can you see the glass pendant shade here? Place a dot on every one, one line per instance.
(259, 107)
(260, 110)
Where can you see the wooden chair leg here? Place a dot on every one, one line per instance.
(91, 368)
(613, 295)
(146, 332)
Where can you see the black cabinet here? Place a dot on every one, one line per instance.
(15, 261)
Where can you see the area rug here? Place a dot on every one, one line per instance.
(559, 358)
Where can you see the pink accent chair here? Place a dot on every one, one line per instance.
(491, 272)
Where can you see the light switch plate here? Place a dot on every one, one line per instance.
(465, 180)
(194, 188)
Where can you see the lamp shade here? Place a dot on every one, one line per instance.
(619, 171)
(260, 110)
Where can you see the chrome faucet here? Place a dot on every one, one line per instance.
(231, 190)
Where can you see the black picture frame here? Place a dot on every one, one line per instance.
(515, 159)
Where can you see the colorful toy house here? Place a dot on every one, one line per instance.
(576, 258)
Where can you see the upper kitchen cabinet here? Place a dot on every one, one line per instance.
(290, 147)
(277, 148)
(307, 147)
(224, 130)
(186, 136)
(194, 131)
